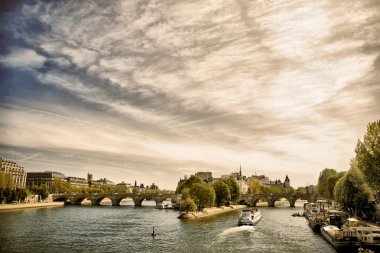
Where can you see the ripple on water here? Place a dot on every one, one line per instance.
(128, 229)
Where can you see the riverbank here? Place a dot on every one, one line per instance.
(207, 212)
(7, 207)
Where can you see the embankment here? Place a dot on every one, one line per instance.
(207, 212)
(6, 207)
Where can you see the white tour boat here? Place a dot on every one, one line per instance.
(249, 217)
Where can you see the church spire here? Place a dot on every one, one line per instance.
(240, 170)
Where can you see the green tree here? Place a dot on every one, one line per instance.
(300, 190)
(203, 195)
(42, 191)
(19, 194)
(368, 155)
(352, 191)
(59, 186)
(8, 195)
(323, 188)
(188, 205)
(188, 183)
(222, 192)
(254, 187)
(331, 182)
(275, 190)
(233, 186)
(6, 181)
(185, 193)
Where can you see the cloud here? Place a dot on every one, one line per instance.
(278, 86)
(23, 58)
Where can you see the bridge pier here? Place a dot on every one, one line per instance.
(76, 200)
(96, 201)
(159, 200)
(116, 201)
(138, 200)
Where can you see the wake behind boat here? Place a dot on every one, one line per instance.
(249, 217)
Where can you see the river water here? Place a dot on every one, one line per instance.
(128, 229)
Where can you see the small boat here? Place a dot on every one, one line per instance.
(249, 217)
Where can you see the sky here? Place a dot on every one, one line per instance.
(155, 90)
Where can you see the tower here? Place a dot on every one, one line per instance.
(89, 179)
(287, 182)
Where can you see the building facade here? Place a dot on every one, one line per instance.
(43, 178)
(77, 181)
(205, 176)
(244, 181)
(18, 173)
(311, 189)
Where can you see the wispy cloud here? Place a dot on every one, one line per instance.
(23, 58)
(181, 86)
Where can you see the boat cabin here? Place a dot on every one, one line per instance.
(368, 234)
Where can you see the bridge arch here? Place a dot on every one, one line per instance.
(243, 202)
(254, 201)
(278, 198)
(77, 200)
(96, 201)
(117, 200)
(65, 200)
(160, 199)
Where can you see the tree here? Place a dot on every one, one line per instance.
(331, 182)
(352, 191)
(323, 189)
(300, 190)
(233, 186)
(368, 155)
(254, 187)
(188, 205)
(185, 193)
(6, 181)
(59, 186)
(188, 182)
(222, 192)
(203, 195)
(275, 190)
(42, 191)
(19, 194)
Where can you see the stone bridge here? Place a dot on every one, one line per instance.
(252, 199)
(96, 198)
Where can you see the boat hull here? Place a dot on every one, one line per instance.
(340, 245)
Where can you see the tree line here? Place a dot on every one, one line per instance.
(358, 187)
(196, 194)
(255, 187)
